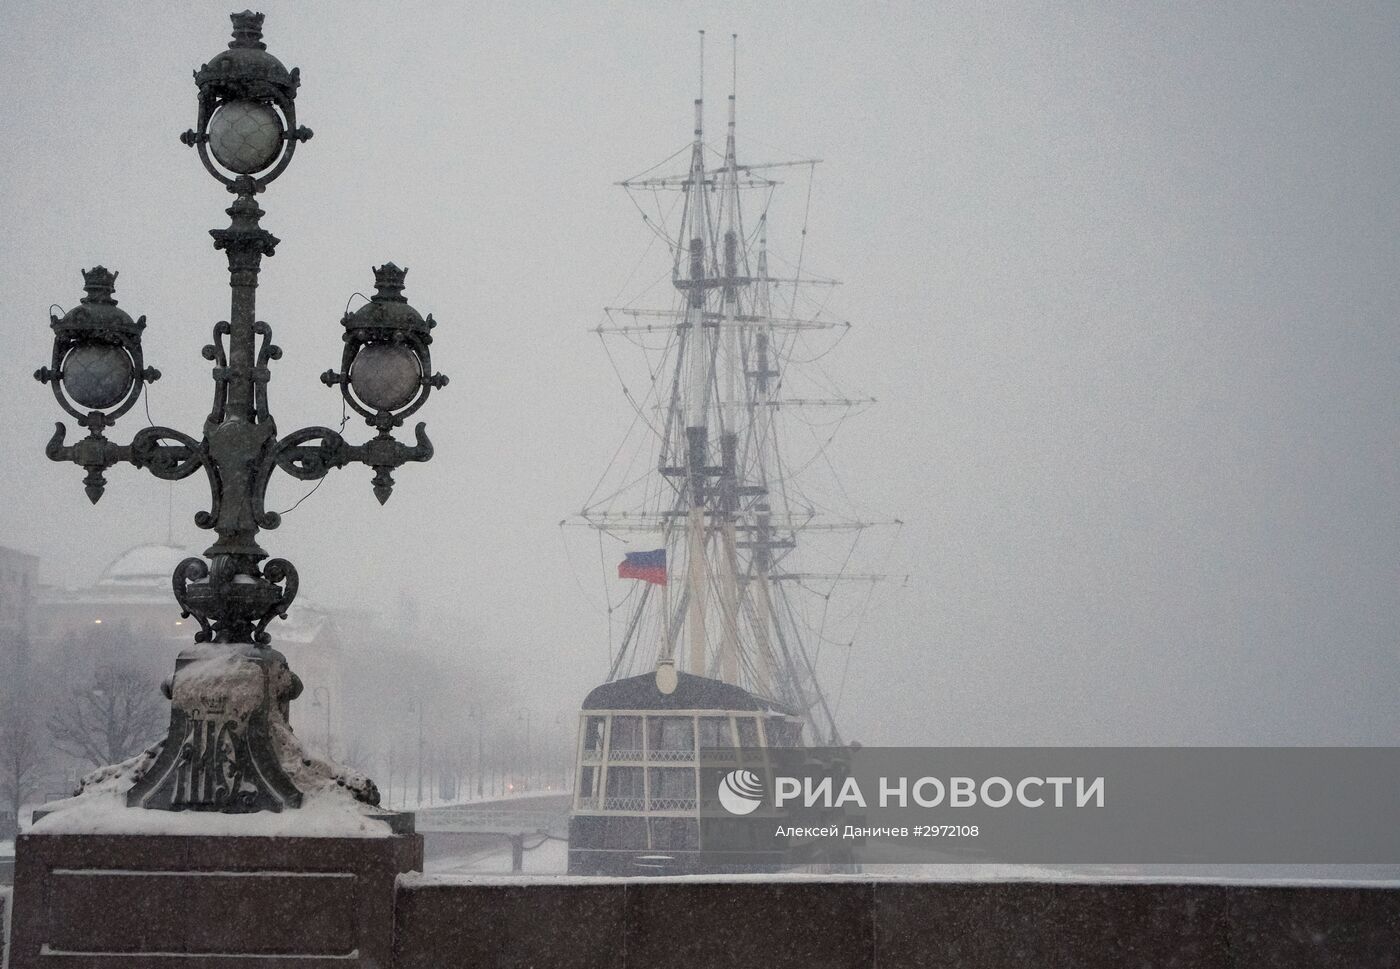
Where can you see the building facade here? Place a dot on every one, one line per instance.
(19, 580)
(130, 615)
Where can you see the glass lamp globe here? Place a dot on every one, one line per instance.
(97, 375)
(245, 136)
(386, 376)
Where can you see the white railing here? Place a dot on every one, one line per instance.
(686, 755)
(672, 803)
(615, 802)
(719, 755)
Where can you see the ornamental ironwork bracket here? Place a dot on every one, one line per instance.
(229, 739)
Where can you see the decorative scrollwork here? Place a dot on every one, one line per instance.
(214, 352)
(279, 572)
(261, 374)
(384, 454)
(296, 456)
(169, 462)
(237, 591)
(188, 571)
(232, 598)
(228, 731)
(94, 453)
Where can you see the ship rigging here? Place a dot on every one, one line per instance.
(724, 492)
(737, 619)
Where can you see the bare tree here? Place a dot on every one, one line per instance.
(359, 752)
(117, 716)
(22, 761)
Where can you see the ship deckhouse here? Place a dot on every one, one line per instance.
(636, 809)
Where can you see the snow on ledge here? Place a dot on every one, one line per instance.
(105, 812)
(973, 874)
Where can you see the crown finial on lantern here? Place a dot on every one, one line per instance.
(100, 283)
(388, 280)
(247, 30)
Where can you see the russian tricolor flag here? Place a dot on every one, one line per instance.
(647, 566)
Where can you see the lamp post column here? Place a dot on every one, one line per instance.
(229, 746)
(420, 752)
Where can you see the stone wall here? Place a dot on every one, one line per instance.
(5, 896)
(558, 923)
(115, 901)
(849, 924)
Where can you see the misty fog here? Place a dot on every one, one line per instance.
(1123, 284)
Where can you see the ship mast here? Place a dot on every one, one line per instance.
(730, 516)
(696, 338)
(728, 510)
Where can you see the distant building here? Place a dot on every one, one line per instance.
(19, 579)
(132, 595)
(131, 610)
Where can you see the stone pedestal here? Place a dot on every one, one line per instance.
(121, 901)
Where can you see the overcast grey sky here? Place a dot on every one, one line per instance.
(1124, 279)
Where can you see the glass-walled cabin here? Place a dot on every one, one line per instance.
(638, 769)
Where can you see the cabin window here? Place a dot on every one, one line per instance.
(748, 731)
(782, 733)
(715, 733)
(678, 834)
(670, 738)
(593, 737)
(586, 779)
(625, 833)
(672, 789)
(624, 789)
(626, 738)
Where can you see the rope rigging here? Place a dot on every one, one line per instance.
(722, 365)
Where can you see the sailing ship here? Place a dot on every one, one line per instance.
(731, 632)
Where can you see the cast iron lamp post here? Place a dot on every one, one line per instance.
(229, 746)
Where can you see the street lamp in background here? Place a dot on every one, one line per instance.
(526, 717)
(230, 694)
(316, 702)
(562, 730)
(476, 726)
(479, 728)
(418, 705)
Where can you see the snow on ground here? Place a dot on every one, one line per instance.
(1352, 875)
(491, 855)
(491, 863)
(947, 874)
(408, 803)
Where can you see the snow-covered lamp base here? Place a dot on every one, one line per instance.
(230, 748)
(258, 854)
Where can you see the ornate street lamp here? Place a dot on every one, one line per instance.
(229, 747)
